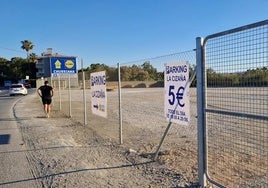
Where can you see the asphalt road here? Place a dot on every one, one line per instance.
(15, 170)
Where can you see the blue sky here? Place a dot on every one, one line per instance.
(112, 31)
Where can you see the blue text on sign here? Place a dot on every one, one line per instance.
(98, 80)
(176, 69)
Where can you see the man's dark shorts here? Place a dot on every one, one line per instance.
(46, 100)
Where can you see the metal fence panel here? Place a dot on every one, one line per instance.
(237, 106)
(143, 102)
(143, 119)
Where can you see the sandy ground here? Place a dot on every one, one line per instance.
(62, 152)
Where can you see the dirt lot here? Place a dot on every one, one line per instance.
(62, 152)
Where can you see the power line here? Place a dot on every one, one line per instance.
(10, 49)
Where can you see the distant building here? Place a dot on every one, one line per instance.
(56, 68)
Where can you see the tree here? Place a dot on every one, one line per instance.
(33, 58)
(150, 69)
(134, 71)
(3, 60)
(125, 73)
(18, 68)
(4, 69)
(27, 46)
(142, 75)
(111, 74)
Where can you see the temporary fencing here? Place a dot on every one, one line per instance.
(233, 97)
(228, 128)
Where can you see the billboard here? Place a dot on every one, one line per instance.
(98, 93)
(63, 65)
(177, 103)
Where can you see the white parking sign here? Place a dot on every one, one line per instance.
(98, 93)
(177, 105)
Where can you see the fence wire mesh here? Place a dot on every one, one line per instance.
(143, 102)
(143, 118)
(237, 108)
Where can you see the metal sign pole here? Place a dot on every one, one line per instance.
(70, 100)
(59, 91)
(84, 93)
(120, 108)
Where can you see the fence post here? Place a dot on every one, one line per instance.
(120, 108)
(201, 112)
(59, 91)
(84, 93)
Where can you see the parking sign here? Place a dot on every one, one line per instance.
(98, 93)
(177, 103)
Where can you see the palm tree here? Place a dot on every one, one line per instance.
(27, 46)
(33, 57)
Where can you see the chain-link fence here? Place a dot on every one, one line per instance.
(236, 64)
(143, 104)
(234, 104)
(143, 121)
(142, 101)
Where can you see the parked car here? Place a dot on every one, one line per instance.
(17, 89)
(27, 85)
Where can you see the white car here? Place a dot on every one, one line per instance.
(17, 89)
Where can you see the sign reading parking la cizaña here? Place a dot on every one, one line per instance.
(63, 65)
(177, 105)
(98, 93)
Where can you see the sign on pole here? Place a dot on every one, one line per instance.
(63, 65)
(177, 103)
(60, 67)
(98, 93)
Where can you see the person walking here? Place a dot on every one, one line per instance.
(46, 92)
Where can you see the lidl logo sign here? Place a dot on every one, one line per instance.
(69, 64)
(63, 65)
